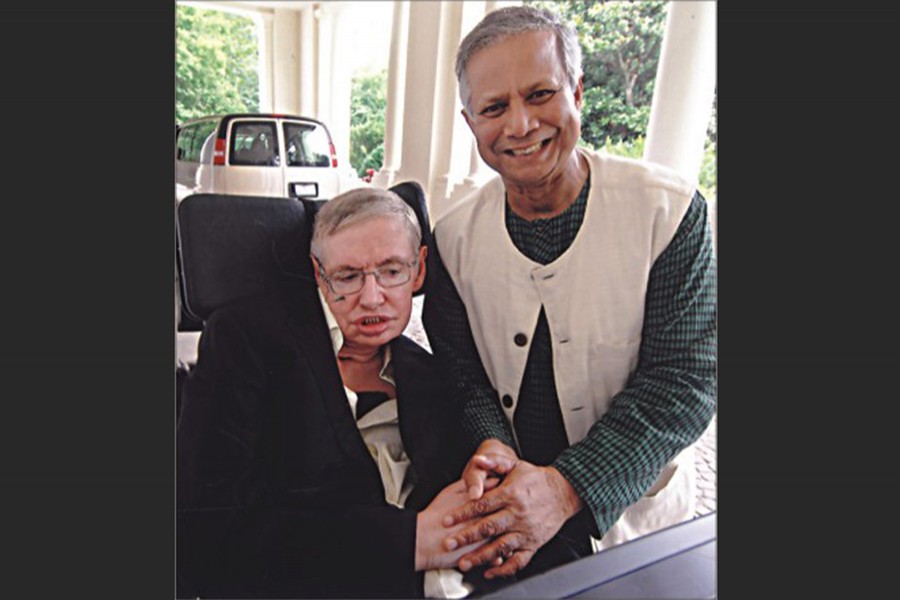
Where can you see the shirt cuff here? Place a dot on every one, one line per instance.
(446, 583)
(570, 472)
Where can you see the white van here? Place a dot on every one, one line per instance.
(256, 155)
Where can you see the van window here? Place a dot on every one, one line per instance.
(191, 140)
(254, 143)
(202, 132)
(184, 142)
(307, 145)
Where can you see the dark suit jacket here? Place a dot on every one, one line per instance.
(277, 494)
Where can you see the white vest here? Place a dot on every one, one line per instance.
(593, 296)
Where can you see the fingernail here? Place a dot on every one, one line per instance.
(448, 521)
(488, 575)
(451, 544)
(465, 565)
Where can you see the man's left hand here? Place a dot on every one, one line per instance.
(519, 516)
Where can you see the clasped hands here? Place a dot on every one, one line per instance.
(500, 513)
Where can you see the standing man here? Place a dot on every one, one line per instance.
(575, 308)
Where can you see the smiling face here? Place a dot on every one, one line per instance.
(525, 118)
(374, 315)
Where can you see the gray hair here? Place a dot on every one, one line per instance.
(360, 205)
(514, 20)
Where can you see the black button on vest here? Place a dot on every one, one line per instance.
(507, 401)
(521, 339)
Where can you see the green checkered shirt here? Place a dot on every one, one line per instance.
(667, 402)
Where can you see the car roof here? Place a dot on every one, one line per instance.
(225, 118)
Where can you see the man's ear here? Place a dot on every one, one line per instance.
(420, 276)
(317, 268)
(469, 121)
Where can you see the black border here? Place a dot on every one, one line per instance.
(88, 335)
(808, 307)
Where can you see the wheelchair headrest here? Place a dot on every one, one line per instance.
(232, 247)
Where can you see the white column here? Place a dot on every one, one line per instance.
(418, 112)
(465, 150)
(334, 70)
(286, 65)
(478, 174)
(324, 62)
(307, 63)
(684, 88)
(340, 77)
(445, 106)
(266, 55)
(396, 81)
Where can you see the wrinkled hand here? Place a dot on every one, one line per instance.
(430, 552)
(492, 458)
(517, 517)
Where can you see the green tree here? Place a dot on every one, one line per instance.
(368, 101)
(216, 61)
(620, 43)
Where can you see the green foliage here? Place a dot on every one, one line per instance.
(368, 101)
(605, 116)
(633, 148)
(707, 175)
(621, 43)
(216, 56)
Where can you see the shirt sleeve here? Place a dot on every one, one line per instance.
(669, 400)
(447, 326)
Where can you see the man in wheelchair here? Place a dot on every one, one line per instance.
(316, 452)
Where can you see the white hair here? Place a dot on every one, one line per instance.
(500, 24)
(360, 205)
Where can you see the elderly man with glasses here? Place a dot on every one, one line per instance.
(315, 448)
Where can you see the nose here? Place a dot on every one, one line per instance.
(371, 294)
(519, 120)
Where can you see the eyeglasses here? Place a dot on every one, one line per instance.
(350, 281)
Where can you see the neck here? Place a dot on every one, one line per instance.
(552, 197)
(358, 355)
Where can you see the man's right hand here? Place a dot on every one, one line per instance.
(430, 533)
(492, 459)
